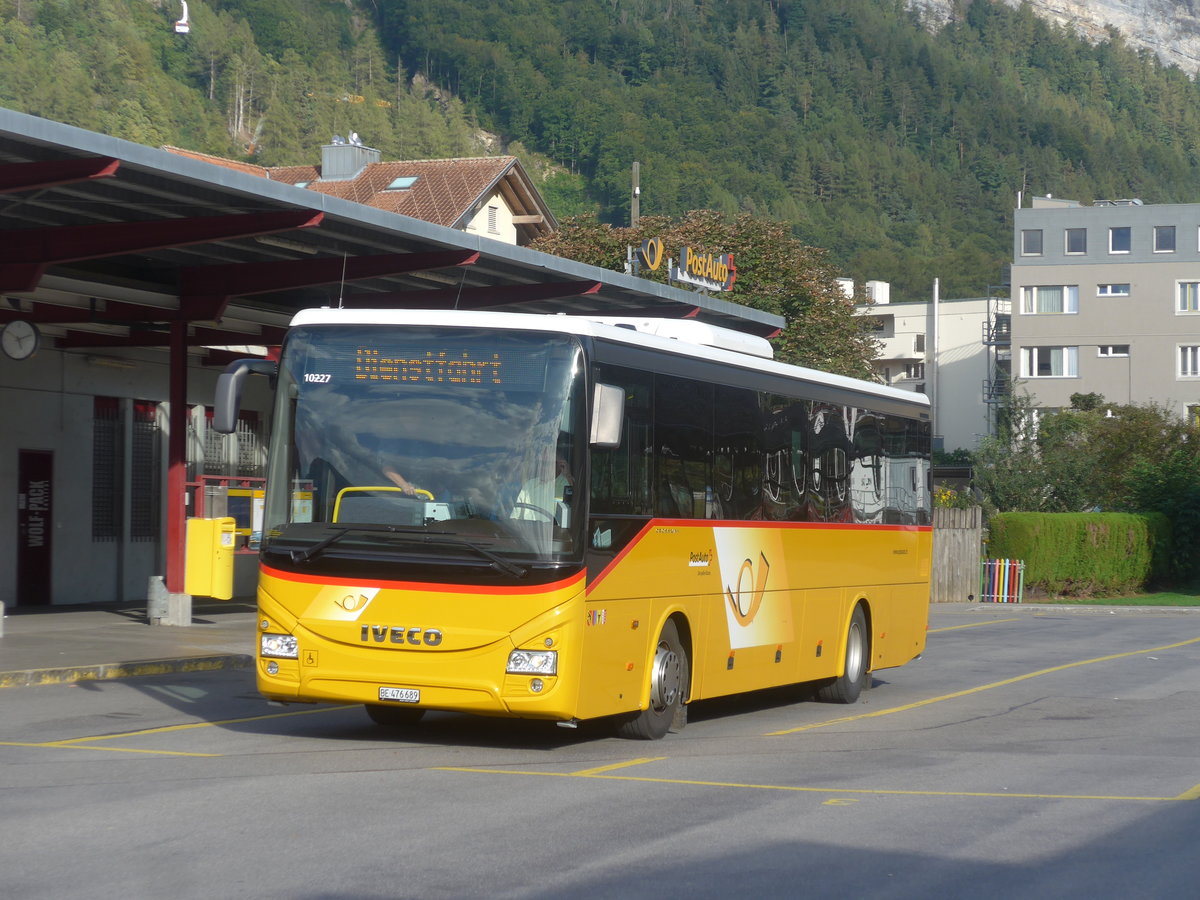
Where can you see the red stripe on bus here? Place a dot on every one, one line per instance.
(421, 585)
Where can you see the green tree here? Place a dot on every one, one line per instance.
(775, 273)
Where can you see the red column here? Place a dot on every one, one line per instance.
(177, 460)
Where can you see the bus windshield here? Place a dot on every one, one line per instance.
(401, 446)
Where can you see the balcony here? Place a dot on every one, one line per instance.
(998, 332)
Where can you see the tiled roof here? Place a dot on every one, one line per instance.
(445, 191)
(248, 168)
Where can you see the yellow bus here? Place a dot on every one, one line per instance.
(565, 518)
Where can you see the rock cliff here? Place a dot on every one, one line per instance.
(1168, 28)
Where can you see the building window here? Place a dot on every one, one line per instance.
(1111, 350)
(493, 215)
(1164, 238)
(144, 489)
(107, 469)
(1189, 361)
(1112, 290)
(403, 183)
(914, 370)
(1188, 293)
(1055, 298)
(1193, 415)
(1120, 239)
(1049, 362)
(1076, 241)
(1031, 242)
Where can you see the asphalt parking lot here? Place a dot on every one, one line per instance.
(1050, 752)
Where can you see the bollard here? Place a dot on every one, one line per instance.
(156, 600)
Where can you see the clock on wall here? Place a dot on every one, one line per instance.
(20, 339)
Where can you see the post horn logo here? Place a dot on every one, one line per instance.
(745, 601)
(351, 603)
(651, 253)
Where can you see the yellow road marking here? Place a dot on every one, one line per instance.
(790, 788)
(621, 765)
(973, 625)
(1193, 794)
(78, 743)
(976, 690)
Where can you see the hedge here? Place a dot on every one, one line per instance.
(1083, 553)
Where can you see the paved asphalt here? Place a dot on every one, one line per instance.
(64, 644)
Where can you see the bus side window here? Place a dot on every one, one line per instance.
(738, 424)
(620, 476)
(683, 420)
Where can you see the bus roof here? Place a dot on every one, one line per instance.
(681, 337)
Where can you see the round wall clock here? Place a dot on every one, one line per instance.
(20, 339)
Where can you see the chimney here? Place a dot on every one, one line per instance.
(343, 160)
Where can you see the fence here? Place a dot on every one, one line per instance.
(957, 536)
(1002, 580)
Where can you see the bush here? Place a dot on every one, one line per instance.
(1083, 554)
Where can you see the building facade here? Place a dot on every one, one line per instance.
(132, 276)
(943, 350)
(1106, 300)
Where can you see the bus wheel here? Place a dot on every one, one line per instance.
(394, 716)
(668, 685)
(847, 686)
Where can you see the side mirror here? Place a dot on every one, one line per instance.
(230, 384)
(608, 413)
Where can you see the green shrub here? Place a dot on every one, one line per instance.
(1083, 553)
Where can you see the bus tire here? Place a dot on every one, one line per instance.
(847, 686)
(668, 688)
(394, 716)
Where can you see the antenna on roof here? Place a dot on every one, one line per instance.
(183, 26)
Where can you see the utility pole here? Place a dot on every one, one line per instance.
(932, 354)
(635, 205)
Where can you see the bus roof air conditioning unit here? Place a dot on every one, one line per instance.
(692, 332)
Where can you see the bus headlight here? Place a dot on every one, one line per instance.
(533, 662)
(282, 646)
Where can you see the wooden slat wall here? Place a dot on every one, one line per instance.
(957, 536)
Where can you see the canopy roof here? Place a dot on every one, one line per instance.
(106, 243)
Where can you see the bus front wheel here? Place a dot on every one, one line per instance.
(847, 686)
(668, 689)
(394, 716)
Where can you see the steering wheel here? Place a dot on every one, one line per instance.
(550, 517)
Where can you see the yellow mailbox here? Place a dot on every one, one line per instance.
(208, 569)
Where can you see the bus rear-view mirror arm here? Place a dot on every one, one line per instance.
(230, 384)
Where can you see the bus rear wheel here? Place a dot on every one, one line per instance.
(668, 689)
(394, 716)
(847, 686)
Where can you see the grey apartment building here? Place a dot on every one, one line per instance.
(1106, 299)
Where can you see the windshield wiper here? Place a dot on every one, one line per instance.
(497, 561)
(441, 537)
(299, 556)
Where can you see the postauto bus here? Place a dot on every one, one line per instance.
(564, 518)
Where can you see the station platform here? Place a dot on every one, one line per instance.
(70, 643)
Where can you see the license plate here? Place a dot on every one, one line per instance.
(400, 695)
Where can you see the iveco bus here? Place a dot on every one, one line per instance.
(564, 518)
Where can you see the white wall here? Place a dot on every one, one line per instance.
(47, 404)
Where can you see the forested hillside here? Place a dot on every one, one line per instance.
(899, 149)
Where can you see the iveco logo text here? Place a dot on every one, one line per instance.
(398, 634)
